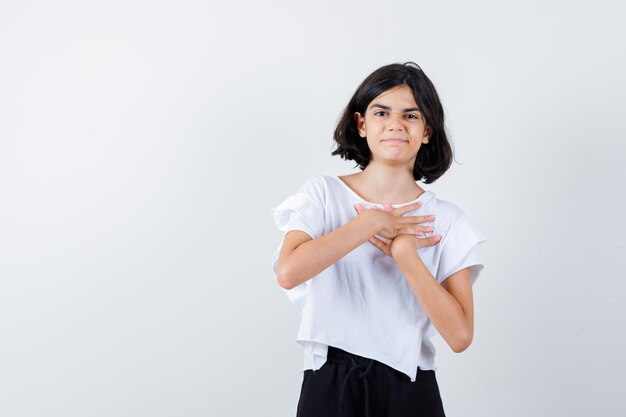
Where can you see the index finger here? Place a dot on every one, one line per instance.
(409, 207)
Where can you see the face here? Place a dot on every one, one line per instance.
(393, 126)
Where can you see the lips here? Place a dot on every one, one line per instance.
(394, 140)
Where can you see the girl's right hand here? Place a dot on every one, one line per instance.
(391, 222)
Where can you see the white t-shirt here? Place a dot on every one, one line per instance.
(362, 303)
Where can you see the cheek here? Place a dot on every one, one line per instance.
(376, 127)
(418, 132)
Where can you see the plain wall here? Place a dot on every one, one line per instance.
(142, 145)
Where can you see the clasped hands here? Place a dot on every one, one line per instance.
(396, 231)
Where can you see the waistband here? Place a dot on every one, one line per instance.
(338, 355)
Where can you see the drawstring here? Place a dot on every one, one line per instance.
(355, 367)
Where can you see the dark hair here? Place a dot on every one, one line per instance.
(433, 158)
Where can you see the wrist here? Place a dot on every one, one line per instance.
(371, 223)
(367, 225)
(402, 244)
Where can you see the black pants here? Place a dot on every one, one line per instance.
(349, 385)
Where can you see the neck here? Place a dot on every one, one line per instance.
(389, 184)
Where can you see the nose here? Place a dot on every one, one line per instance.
(395, 122)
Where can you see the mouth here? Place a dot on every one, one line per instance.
(395, 140)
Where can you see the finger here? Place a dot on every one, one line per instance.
(415, 219)
(381, 238)
(410, 231)
(409, 207)
(430, 241)
(376, 242)
(385, 247)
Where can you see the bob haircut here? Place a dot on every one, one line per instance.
(433, 158)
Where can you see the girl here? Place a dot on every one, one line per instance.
(375, 264)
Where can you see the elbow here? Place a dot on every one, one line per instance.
(462, 344)
(283, 275)
(283, 283)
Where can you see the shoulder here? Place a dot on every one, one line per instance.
(315, 183)
(453, 220)
(316, 187)
(447, 212)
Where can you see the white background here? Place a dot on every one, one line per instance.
(142, 145)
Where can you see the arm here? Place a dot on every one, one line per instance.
(449, 305)
(301, 258)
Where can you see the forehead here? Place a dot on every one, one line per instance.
(400, 96)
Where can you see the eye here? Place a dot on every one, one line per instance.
(378, 112)
(412, 116)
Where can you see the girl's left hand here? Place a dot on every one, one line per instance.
(402, 240)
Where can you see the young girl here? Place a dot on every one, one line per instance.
(375, 264)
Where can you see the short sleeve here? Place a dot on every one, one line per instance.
(302, 210)
(460, 249)
(299, 211)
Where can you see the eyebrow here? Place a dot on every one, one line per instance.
(382, 106)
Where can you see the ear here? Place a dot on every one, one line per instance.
(360, 123)
(427, 134)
